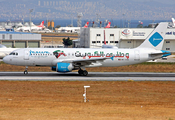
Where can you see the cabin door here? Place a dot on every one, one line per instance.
(26, 57)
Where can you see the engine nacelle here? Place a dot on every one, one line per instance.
(64, 67)
(2, 55)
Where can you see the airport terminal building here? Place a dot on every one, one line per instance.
(122, 37)
(20, 39)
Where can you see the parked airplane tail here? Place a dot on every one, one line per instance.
(107, 46)
(86, 25)
(42, 24)
(156, 39)
(108, 25)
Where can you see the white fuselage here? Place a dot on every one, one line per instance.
(28, 28)
(46, 57)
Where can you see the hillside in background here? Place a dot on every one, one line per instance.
(112, 9)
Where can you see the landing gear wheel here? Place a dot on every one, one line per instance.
(80, 72)
(25, 71)
(83, 72)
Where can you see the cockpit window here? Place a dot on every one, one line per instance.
(13, 53)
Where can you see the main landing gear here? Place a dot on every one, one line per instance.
(82, 72)
(25, 71)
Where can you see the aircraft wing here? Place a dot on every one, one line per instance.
(83, 62)
(87, 60)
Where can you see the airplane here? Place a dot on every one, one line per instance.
(86, 25)
(28, 28)
(108, 25)
(4, 51)
(68, 59)
(72, 29)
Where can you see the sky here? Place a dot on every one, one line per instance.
(162, 1)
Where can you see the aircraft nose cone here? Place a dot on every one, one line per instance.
(6, 59)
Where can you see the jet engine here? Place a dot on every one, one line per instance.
(2, 55)
(63, 67)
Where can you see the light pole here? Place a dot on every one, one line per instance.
(123, 19)
(47, 19)
(30, 18)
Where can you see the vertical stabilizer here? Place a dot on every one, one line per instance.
(108, 25)
(42, 24)
(86, 25)
(156, 39)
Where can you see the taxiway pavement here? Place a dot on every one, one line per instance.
(92, 76)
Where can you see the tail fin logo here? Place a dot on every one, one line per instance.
(155, 39)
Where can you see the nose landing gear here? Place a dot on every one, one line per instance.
(25, 71)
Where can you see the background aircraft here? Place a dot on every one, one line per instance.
(72, 29)
(33, 27)
(86, 25)
(107, 46)
(68, 59)
(4, 51)
(108, 25)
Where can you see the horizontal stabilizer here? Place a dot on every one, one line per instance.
(159, 55)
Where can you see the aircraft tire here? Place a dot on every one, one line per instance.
(25, 72)
(80, 72)
(85, 73)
